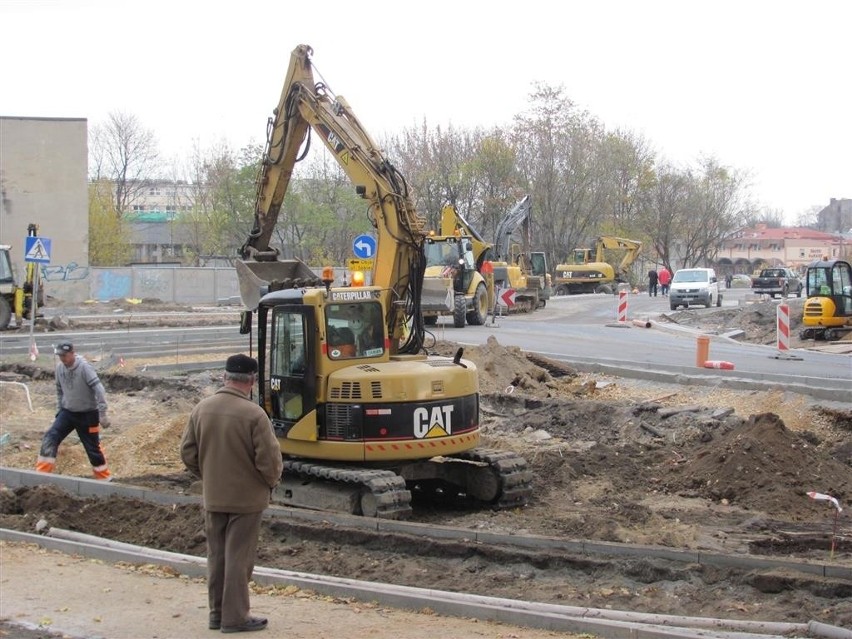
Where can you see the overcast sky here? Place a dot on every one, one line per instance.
(764, 86)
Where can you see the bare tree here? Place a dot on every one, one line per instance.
(809, 217)
(125, 153)
(558, 151)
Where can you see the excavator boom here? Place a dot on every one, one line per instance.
(306, 106)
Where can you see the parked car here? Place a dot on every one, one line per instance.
(778, 281)
(694, 286)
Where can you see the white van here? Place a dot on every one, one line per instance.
(694, 286)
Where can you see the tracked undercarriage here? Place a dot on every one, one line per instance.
(497, 479)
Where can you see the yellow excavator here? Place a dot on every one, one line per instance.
(17, 300)
(827, 312)
(516, 267)
(364, 416)
(455, 259)
(453, 281)
(590, 271)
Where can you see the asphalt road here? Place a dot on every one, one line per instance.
(581, 330)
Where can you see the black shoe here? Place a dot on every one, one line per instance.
(215, 623)
(249, 625)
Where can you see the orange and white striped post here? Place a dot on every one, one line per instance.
(782, 315)
(622, 305)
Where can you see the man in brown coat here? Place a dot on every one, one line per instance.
(230, 444)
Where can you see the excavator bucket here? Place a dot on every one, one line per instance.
(437, 294)
(258, 278)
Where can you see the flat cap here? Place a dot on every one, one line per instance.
(63, 347)
(241, 364)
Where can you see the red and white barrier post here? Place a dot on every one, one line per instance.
(782, 314)
(622, 305)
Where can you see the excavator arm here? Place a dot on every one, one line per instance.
(452, 222)
(631, 250)
(518, 215)
(305, 106)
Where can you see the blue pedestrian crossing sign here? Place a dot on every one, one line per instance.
(37, 249)
(364, 246)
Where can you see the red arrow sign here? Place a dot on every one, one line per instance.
(507, 297)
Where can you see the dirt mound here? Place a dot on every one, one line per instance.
(761, 466)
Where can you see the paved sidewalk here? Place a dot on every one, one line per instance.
(82, 597)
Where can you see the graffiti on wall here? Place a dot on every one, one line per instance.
(70, 272)
(156, 283)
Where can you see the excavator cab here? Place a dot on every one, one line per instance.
(828, 309)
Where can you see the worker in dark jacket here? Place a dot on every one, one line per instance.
(652, 283)
(230, 444)
(80, 405)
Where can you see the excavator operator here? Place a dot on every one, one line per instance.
(355, 330)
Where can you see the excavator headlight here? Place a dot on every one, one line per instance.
(357, 278)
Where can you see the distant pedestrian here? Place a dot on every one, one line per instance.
(665, 278)
(728, 279)
(652, 283)
(230, 444)
(80, 405)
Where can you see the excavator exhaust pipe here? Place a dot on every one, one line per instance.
(256, 279)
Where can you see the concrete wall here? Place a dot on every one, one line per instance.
(178, 284)
(43, 180)
(184, 285)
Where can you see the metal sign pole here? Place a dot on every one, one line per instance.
(33, 308)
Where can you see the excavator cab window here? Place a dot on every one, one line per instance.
(6, 274)
(443, 253)
(817, 283)
(841, 276)
(538, 264)
(354, 330)
(292, 392)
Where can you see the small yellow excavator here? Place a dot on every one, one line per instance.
(828, 308)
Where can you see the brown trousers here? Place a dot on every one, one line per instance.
(231, 553)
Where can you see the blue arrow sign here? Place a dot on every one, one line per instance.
(36, 249)
(364, 246)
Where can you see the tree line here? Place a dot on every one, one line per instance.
(584, 180)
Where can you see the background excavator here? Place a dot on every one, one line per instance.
(517, 267)
(590, 271)
(454, 260)
(827, 312)
(17, 300)
(363, 415)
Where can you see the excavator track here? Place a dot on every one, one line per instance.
(514, 476)
(380, 493)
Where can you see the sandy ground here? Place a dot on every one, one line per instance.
(78, 597)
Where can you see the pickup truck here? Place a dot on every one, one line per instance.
(777, 281)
